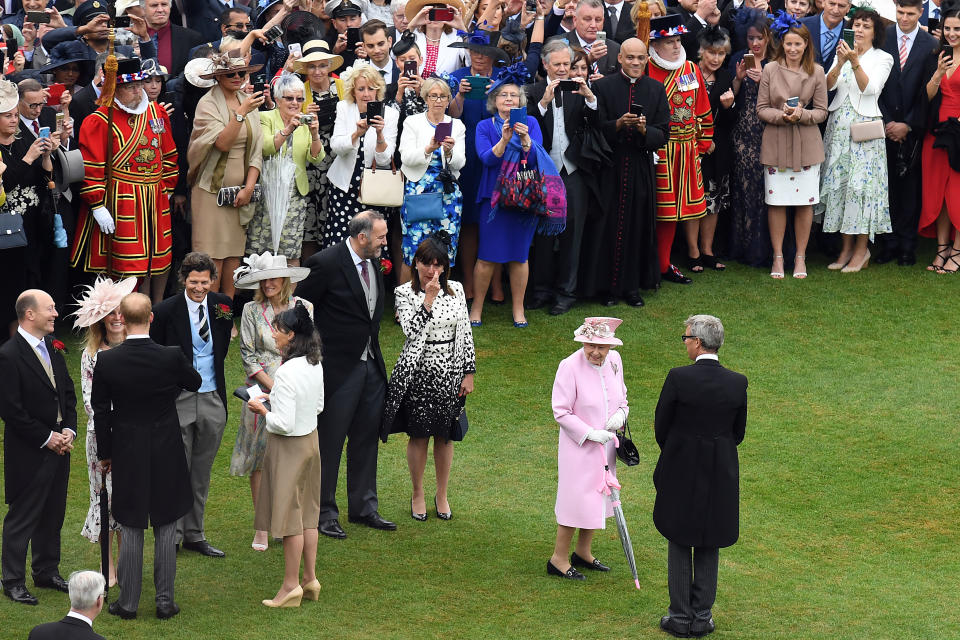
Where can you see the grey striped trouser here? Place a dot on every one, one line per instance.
(130, 565)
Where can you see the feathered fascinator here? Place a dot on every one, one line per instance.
(517, 74)
(476, 37)
(745, 18)
(450, 81)
(352, 69)
(99, 299)
(442, 237)
(713, 37)
(783, 23)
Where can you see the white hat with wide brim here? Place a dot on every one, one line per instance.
(263, 267)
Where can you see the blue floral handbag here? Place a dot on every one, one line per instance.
(423, 206)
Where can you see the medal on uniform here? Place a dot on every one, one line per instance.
(157, 125)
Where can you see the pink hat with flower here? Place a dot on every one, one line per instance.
(598, 330)
(100, 298)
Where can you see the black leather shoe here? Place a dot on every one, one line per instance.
(443, 515)
(569, 574)
(609, 301)
(596, 565)
(634, 300)
(885, 257)
(699, 629)
(374, 521)
(673, 275)
(55, 581)
(116, 610)
(203, 547)
(332, 529)
(19, 594)
(167, 612)
(675, 628)
(419, 517)
(907, 260)
(561, 307)
(538, 302)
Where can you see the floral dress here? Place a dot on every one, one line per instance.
(749, 235)
(91, 526)
(415, 232)
(258, 352)
(317, 197)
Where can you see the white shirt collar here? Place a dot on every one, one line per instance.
(910, 36)
(191, 305)
(80, 616)
(32, 340)
(353, 254)
(583, 43)
(708, 356)
(29, 123)
(618, 7)
(137, 336)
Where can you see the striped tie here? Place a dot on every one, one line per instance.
(903, 50)
(830, 39)
(204, 326)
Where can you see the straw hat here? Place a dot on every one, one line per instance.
(316, 51)
(227, 63)
(100, 298)
(413, 6)
(263, 267)
(598, 330)
(9, 96)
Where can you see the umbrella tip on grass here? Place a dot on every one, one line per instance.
(637, 582)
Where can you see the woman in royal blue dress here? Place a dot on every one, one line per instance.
(504, 235)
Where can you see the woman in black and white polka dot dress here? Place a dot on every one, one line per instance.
(355, 144)
(434, 372)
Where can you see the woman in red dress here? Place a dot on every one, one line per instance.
(940, 214)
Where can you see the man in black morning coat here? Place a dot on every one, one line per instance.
(700, 419)
(38, 405)
(346, 288)
(134, 400)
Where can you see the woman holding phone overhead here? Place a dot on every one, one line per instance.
(435, 26)
(432, 150)
(364, 131)
(940, 213)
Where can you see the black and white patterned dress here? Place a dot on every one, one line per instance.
(422, 395)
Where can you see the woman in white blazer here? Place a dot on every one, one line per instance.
(355, 144)
(434, 37)
(288, 504)
(431, 166)
(853, 180)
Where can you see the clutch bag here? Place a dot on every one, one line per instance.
(227, 195)
(866, 131)
(423, 206)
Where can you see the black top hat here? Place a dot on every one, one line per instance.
(129, 70)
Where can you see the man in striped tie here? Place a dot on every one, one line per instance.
(904, 117)
(199, 322)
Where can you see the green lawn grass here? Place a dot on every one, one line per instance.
(849, 483)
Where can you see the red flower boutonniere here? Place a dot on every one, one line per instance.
(386, 267)
(223, 312)
(59, 346)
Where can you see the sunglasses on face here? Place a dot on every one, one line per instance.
(294, 99)
(235, 74)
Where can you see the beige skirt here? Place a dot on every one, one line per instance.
(289, 498)
(217, 231)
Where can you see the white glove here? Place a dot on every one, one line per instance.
(104, 219)
(599, 435)
(616, 421)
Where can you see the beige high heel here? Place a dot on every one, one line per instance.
(311, 590)
(862, 265)
(289, 601)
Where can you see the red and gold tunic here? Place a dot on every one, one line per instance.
(144, 174)
(680, 194)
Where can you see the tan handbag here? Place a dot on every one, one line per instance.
(383, 188)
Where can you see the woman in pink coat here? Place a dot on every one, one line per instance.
(589, 403)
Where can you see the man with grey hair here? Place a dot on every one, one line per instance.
(86, 603)
(602, 54)
(560, 113)
(700, 419)
(346, 288)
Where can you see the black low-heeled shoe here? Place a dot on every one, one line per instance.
(596, 565)
(569, 574)
(419, 517)
(443, 515)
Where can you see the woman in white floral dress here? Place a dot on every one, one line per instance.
(273, 281)
(99, 313)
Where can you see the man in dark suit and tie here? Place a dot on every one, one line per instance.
(38, 408)
(826, 29)
(134, 400)
(700, 419)
(560, 115)
(587, 21)
(904, 111)
(346, 288)
(617, 23)
(199, 322)
(86, 603)
(172, 41)
(377, 44)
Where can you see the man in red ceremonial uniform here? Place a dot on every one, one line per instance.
(680, 195)
(130, 217)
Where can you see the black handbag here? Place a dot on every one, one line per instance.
(460, 424)
(627, 451)
(12, 234)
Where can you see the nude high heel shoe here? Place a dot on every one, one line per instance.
(289, 601)
(311, 590)
(863, 265)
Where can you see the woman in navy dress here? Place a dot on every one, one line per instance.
(505, 236)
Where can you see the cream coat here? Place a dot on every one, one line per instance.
(417, 133)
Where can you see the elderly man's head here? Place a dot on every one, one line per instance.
(588, 19)
(156, 13)
(86, 592)
(702, 334)
(36, 312)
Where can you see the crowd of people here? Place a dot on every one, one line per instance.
(297, 148)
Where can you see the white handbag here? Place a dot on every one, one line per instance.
(382, 188)
(866, 131)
